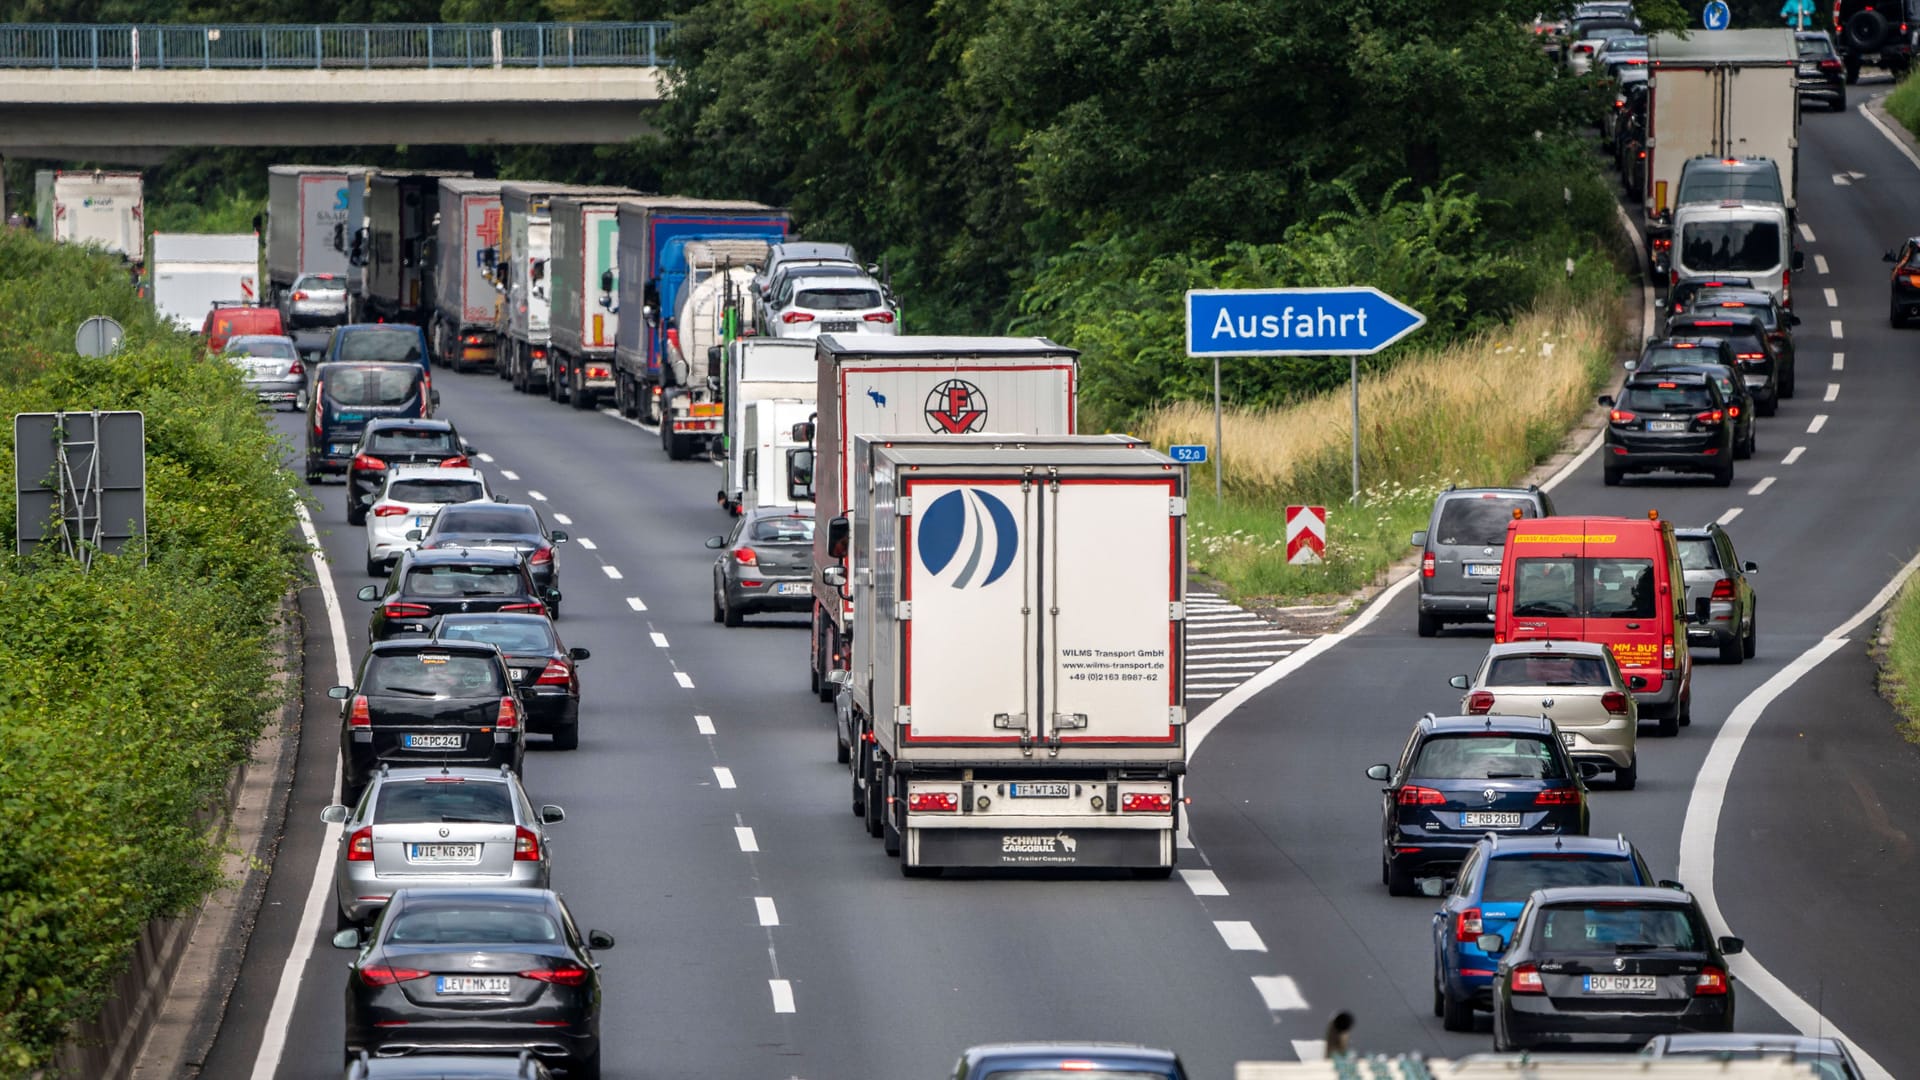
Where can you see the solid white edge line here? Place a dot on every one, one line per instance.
(763, 907)
(1699, 832)
(782, 995)
(1898, 144)
(273, 1040)
(723, 776)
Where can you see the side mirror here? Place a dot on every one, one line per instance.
(341, 693)
(803, 431)
(1702, 611)
(599, 939)
(468, 448)
(372, 592)
(577, 654)
(716, 542)
(551, 595)
(552, 815)
(1588, 770)
(1750, 568)
(1631, 365)
(838, 532)
(606, 281)
(347, 939)
(1636, 682)
(840, 677)
(1888, 257)
(1799, 259)
(434, 396)
(834, 577)
(557, 536)
(1492, 944)
(333, 815)
(1379, 772)
(1668, 883)
(1732, 946)
(1458, 682)
(415, 535)
(1420, 539)
(1606, 400)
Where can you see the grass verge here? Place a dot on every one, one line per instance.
(1900, 661)
(1482, 411)
(1903, 104)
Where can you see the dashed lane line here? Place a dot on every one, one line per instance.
(1727, 518)
(536, 496)
(1839, 361)
(1761, 487)
(488, 458)
(562, 518)
(589, 544)
(782, 995)
(1310, 1049)
(769, 915)
(1203, 882)
(1835, 330)
(685, 680)
(659, 639)
(1280, 992)
(704, 724)
(509, 474)
(1833, 298)
(1793, 455)
(1833, 391)
(1819, 422)
(1806, 233)
(724, 777)
(636, 603)
(1820, 264)
(611, 571)
(743, 835)
(1240, 936)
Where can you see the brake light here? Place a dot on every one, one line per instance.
(556, 674)
(457, 462)
(1426, 565)
(1711, 416)
(295, 368)
(1714, 322)
(1614, 702)
(1733, 410)
(1711, 982)
(387, 974)
(595, 372)
(301, 295)
(368, 462)
(745, 557)
(878, 316)
(1480, 702)
(1663, 243)
(359, 715)
(1620, 416)
(508, 717)
(526, 846)
(389, 510)
(1750, 356)
(1525, 979)
(395, 610)
(1412, 795)
(1558, 797)
(1584, 49)
(1731, 303)
(360, 845)
(1467, 925)
(796, 317)
(540, 557)
(927, 801)
(533, 607)
(539, 354)
(571, 975)
(470, 339)
(1723, 589)
(1146, 802)
(1830, 65)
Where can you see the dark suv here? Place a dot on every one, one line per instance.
(1877, 32)
(1461, 548)
(442, 581)
(386, 443)
(1757, 357)
(420, 702)
(1668, 420)
(346, 396)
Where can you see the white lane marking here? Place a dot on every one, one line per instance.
(587, 544)
(743, 835)
(273, 1041)
(1240, 664)
(659, 639)
(1888, 132)
(536, 496)
(615, 413)
(1819, 422)
(1833, 298)
(684, 679)
(1806, 233)
(704, 724)
(1833, 391)
(1223, 620)
(509, 474)
(1820, 264)
(1310, 1049)
(1793, 455)
(782, 995)
(1727, 518)
(724, 776)
(1271, 636)
(488, 458)
(611, 571)
(1203, 882)
(636, 603)
(1839, 361)
(562, 518)
(1204, 686)
(1240, 936)
(1279, 992)
(1835, 330)
(1841, 179)
(1761, 487)
(1639, 261)
(769, 915)
(1699, 832)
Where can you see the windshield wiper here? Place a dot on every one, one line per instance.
(409, 690)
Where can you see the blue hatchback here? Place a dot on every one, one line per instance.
(1500, 872)
(379, 342)
(1029, 1060)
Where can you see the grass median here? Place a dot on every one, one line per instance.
(1900, 661)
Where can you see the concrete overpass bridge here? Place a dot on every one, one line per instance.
(130, 94)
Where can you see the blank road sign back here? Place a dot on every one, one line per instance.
(81, 481)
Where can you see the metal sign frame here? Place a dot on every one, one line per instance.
(80, 481)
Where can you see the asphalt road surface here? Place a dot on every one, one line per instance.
(762, 934)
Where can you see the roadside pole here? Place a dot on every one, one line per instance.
(1354, 376)
(1219, 451)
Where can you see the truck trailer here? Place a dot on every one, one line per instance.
(583, 317)
(194, 271)
(308, 217)
(760, 369)
(461, 333)
(104, 210)
(398, 284)
(520, 274)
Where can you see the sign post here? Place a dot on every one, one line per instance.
(1354, 321)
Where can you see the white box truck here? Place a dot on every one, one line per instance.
(764, 369)
(869, 384)
(194, 271)
(1727, 94)
(1016, 692)
(520, 273)
(97, 209)
(308, 212)
(582, 282)
(461, 331)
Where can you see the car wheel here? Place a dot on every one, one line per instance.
(1428, 624)
(1686, 711)
(376, 567)
(1723, 476)
(859, 794)
(354, 517)
(1439, 995)
(588, 1069)
(567, 737)
(340, 919)
(1669, 724)
(1751, 643)
(842, 752)
(1895, 318)
(733, 614)
(1501, 1043)
(1624, 779)
(718, 615)
(1840, 103)
(1399, 882)
(1787, 382)
(1733, 650)
(1610, 476)
(1455, 1015)
(1853, 69)
(1767, 406)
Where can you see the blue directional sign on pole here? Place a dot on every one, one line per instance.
(1189, 453)
(1355, 321)
(1716, 16)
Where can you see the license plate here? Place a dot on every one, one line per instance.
(1566, 738)
(1040, 791)
(342, 448)
(1481, 569)
(1618, 984)
(446, 853)
(434, 742)
(1666, 425)
(790, 588)
(470, 984)
(421, 521)
(846, 326)
(1473, 819)
(519, 674)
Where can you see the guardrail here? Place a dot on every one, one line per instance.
(336, 46)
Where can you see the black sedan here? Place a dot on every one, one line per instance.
(510, 527)
(1734, 302)
(1668, 420)
(1612, 965)
(1904, 302)
(1820, 74)
(386, 443)
(476, 970)
(544, 670)
(1753, 348)
(765, 564)
(420, 702)
(447, 580)
(1461, 777)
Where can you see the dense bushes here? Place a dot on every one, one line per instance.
(127, 691)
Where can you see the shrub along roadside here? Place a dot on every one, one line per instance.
(1903, 104)
(126, 692)
(1900, 660)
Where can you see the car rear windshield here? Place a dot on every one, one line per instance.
(1741, 334)
(512, 636)
(320, 283)
(395, 344)
(435, 491)
(1662, 355)
(492, 520)
(1624, 927)
(1592, 587)
(411, 441)
(1487, 756)
(1721, 183)
(782, 530)
(1480, 522)
(471, 924)
(1626, 43)
(271, 350)
(1548, 671)
(443, 800)
(1738, 308)
(432, 674)
(1667, 397)
(837, 299)
(1698, 553)
(1730, 245)
(1511, 878)
(451, 581)
(1815, 48)
(372, 385)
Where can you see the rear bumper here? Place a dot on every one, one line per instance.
(1532, 1020)
(486, 1036)
(1465, 605)
(1679, 459)
(549, 708)
(1042, 842)
(1721, 627)
(1610, 743)
(763, 597)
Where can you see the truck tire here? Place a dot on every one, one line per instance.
(1852, 62)
(876, 798)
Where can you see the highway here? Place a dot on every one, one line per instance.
(762, 934)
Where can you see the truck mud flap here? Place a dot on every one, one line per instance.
(1064, 847)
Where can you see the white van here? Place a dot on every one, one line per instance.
(1750, 240)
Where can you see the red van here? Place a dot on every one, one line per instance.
(232, 320)
(1613, 581)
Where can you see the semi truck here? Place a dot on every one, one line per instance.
(350, 239)
(657, 234)
(520, 275)
(1015, 697)
(308, 212)
(398, 284)
(461, 333)
(1727, 94)
(867, 384)
(713, 309)
(582, 321)
(194, 271)
(765, 369)
(97, 209)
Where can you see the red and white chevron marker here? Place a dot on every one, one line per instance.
(1306, 534)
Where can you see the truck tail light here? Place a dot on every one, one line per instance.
(1525, 979)
(1146, 802)
(360, 716)
(508, 717)
(1467, 925)
(360, 846)
(595, 371)
(470, 339)
(932, 801)
(1479, 703)
(1711, 982)
(1558, 797)
(1723, 589)
(1419, 796)
(1614, 701)
(1426, 564)
(539, 354)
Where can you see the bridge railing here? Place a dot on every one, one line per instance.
(335, 46)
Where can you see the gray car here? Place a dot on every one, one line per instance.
(437, 826)
(1461, 548)
(765, 564)
(315, 300)
(270, 366)
(1716, 574)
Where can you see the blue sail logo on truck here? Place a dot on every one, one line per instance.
(968, 537)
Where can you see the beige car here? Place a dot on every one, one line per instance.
(1577, 685)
